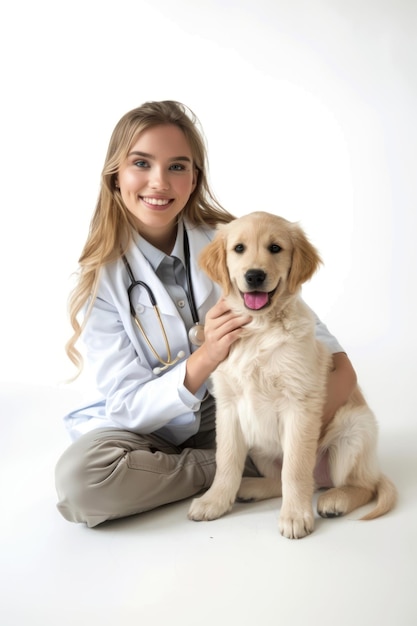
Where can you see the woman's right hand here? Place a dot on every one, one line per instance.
(222, 328)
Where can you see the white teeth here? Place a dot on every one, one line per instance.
(156, 201)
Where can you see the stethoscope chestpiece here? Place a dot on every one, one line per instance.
(196, 335)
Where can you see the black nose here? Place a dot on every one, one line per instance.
(255, 278)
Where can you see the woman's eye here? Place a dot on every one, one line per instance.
(275, 248)
(177, 167)
(239, 248)
(141, 163)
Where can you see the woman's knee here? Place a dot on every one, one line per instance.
(71, 484)
(80, 479)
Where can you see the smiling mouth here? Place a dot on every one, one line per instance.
(159, 202)
(257, 300)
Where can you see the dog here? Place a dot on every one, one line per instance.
(271, 389)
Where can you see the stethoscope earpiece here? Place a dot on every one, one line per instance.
(159, 370)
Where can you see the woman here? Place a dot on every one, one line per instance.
(149, 436)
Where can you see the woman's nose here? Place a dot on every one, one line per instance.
(159, 178)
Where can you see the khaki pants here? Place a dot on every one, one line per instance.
(110, 473)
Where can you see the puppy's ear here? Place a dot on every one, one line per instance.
(213, 261)
(305, 260)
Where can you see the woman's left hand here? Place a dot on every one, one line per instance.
(341, 383)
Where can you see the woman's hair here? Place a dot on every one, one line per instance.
(111, 226)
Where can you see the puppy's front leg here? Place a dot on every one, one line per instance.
(300, 444)
(230, 460)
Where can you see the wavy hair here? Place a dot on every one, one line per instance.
(111, 226)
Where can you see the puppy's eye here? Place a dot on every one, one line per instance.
(239, 248)
(275, 248)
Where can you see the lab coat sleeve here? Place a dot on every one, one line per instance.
(135, 398)
(324, 335)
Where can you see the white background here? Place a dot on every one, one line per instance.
(308, 107)
(309, 111)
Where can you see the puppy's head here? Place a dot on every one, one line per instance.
(259, 260)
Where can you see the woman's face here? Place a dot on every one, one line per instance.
(156, 181)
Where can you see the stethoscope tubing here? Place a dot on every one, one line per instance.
(134, 283)
(168, 362)
(191, 299)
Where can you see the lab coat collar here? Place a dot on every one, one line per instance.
(155, 256)
(198, 238)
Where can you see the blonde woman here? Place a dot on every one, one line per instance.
(153, 325)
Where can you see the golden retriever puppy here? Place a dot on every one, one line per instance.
(271, 389)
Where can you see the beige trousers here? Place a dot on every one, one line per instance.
(110, 473)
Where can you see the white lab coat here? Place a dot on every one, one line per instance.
(130, 396)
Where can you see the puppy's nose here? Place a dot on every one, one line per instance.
(255, 278)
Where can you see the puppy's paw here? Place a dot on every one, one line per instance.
(296, 524)
(206, 509)
(333, 503)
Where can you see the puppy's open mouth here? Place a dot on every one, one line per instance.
(256, 300)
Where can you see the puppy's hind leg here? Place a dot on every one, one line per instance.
(230, 460)
(353, 463)
(342, 500)
(268, 485)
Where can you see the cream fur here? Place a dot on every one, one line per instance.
(270, 391)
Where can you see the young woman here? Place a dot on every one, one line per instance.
(153, 325)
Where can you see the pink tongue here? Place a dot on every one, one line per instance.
(255, 299)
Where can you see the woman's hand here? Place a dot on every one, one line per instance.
(222, 328)
(342, 381)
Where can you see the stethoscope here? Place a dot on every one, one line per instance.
(196, 332)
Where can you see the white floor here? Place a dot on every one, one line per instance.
(160, 568)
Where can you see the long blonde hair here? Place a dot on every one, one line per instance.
(111, 226)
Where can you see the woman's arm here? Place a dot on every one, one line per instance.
(342, 381)
(135, 398)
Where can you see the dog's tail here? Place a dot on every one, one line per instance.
(386, 497)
